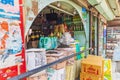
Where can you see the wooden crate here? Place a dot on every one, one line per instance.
(86, 76)
(92, 65)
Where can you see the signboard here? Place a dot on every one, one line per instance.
(9, 9)
(12, 56)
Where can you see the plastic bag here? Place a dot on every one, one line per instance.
(56, 74)
(66, 39)
(107, 69)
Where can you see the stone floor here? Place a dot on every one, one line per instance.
(115, 75)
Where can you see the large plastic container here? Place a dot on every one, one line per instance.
(34, 59)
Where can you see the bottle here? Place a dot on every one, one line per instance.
(32, 39)
(32, 36)
(37, 35)
(80, 27)
(41, 42)
(75, 27)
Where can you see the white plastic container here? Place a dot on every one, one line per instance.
(35, 58)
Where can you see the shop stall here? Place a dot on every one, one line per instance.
(58, 29)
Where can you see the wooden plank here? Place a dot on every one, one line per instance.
(114, 23)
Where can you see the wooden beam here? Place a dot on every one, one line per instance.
(62, 10)
(114, 23)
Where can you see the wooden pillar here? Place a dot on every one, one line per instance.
(98, 25)
(90, 30)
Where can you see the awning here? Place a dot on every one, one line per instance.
(103, 8)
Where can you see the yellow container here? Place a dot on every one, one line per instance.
(70, 72)
(93, 57)
(93, 65)
(78, 67)
(86, 76)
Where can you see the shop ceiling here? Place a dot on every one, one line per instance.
(62, 7)
(115, 7)
(110, 9)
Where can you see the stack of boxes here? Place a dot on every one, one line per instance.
(92, 68)
(70, 68)
(53, 55)
(56, 72)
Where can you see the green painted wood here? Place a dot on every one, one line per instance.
(103, 8)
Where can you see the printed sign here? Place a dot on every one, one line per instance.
(10, 9)
(8, 72)
(12, 56)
